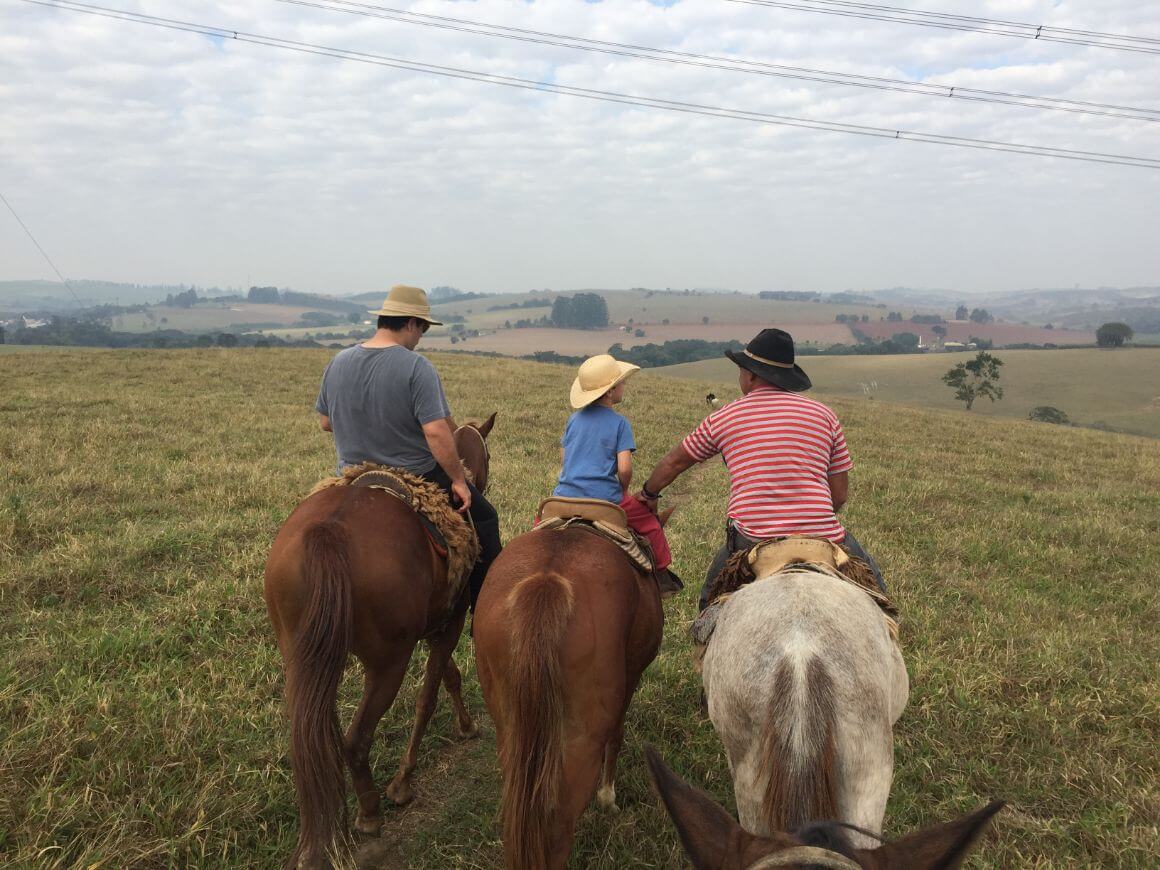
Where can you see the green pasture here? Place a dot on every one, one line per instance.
(141, 720)
(1094, 387)
(209, 316)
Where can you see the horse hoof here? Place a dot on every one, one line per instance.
(606, 799)
(400, 793)
(471, 731)
(369, 825)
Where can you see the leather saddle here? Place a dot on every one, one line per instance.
(601, 518)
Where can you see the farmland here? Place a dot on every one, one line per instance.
(140, 690)
(1117, 388)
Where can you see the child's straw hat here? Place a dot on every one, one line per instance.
(598, 375)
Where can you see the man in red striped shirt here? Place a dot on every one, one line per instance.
(786, 454)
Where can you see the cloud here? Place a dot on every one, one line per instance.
(138, 153)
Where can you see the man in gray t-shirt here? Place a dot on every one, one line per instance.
(365, 391)
(385, 404)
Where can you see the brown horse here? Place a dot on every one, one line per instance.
(353, 571)
(714, 840)
(563, 629)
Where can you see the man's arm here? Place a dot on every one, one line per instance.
(839, 489)
(674, 463)
(441, 443)
(324, 422)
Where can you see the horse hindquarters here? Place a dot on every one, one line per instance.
(315, 650)
(532, 712)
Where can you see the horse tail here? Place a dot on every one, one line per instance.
(533, 749)
(798, 754)
(313, 673)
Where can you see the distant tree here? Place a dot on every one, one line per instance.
(1048, 414)
(1, 334)
(1049, 326)
(894, 316)
(665, 321)
(580, 311)
(981, 343)
(865, 318)
(705, 320)
(507, 324)
(227, 339)
(907, 342)
(186, 299)
(262, 342)
(204, 341)
(263, 295)
(975, 378)
(981, 315)
(939, 330)
(639, 333)
(1113, 334)
(961, 313)
(354, 317)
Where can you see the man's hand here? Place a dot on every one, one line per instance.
(461, 492)
(651, 503)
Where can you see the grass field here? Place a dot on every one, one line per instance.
(1119, 388)
(140, 689)
(210, 316)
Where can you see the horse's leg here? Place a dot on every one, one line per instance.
(400, 790)
(453, 682)
(606, 795)
(380, 685)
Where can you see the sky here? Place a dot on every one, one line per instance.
(141, 154)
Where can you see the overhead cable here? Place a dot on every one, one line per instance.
(602, 95)
(969, 23)
(730, 64)
(43, 252)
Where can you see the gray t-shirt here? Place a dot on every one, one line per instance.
(377, 399)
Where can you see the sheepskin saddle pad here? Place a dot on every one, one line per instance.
(768, 559)
(449, 532)
(601, 518)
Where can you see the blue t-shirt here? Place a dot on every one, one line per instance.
(592, 438)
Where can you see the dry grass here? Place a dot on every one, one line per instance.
(140, 688)
(1119, 388)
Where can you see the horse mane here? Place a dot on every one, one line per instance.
(798, 748)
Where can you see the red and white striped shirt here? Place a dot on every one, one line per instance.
(780, 449)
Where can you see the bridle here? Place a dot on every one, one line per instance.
(814, 855)
(486, 452)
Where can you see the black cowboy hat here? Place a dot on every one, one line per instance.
(770, 356)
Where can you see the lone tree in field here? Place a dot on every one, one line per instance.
(1113, 334)
(1049, 414)
(975, 378)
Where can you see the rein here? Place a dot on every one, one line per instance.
(806, 855)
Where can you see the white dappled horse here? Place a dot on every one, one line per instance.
(804, 682)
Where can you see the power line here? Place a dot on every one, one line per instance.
(43, 252)
(947, 21)
(602, 95)
(727, 63)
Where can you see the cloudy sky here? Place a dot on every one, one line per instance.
(141, 154)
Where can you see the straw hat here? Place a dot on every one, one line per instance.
(404, 301)
(598, 375)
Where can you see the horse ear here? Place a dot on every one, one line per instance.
(663, 516)
(941, 847)
(705, 829)
(486, 425)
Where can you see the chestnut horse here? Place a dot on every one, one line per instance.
(714, 841)
(563, 629)
(353, 571)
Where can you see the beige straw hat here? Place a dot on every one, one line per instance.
(404, 301)
(598, 375)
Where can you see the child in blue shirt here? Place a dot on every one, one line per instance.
(597, 452)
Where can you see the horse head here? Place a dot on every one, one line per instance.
(471, 442)
(713, 839)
